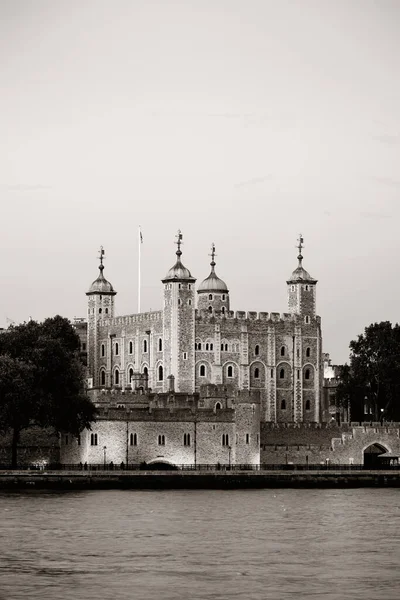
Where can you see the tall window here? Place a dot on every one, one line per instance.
(103, 377)
(307, 374)
(225, 439)
(308, 405)
(186, 439)
(130, 347)
(307, 320)
(133, 439)
(202, 370)
(283, 405)
(160, 345)
(223, 310)
(210, 309)
(161, 440)
(257, 350)
(103, 350)
(247, 438)
(283, 351)
(116, 377)
(282, 374)
(230, 371)
(93, 439)
(256, 373)
(308, 352)
(144, 345)
(116, 349)
(210, 296)
(130, 375)
(160, 373)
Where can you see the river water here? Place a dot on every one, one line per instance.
(217, 545)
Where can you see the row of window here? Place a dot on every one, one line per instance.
(256, 372)
(181, 286)
(160, 375)
(307, 405)
(130, 347)
(134, 440)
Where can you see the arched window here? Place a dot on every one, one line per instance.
(308, 405)
(222, 347)
(210, 296)
(282, 374)
(130, 375)
(93, 439)
(256, 373)
(223, 296)
(257, 350)
(161, 440)
(308, 352)
(133, 439)
(226, 348)
(199, 346)
(218, 406)
(283, 351)
(207, 346)
(106, 311)
(225, 439)
(116, 349)
(283, 405)
(223, 310)
(130, 347)
(145, 371)
(144, 345)
(100, 311)
(103, 350)
(230, 371)
(103, 377)
(160, 373)
(307, 374)
(211, 346)
(202, 370)
(116, 377)
(210, 309)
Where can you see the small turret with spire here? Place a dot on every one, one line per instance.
(213, 293)
(301, 287)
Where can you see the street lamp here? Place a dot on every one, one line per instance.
(105, 455)
(229, 457)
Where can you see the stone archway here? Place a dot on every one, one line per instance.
(370, 455)
(160, 465)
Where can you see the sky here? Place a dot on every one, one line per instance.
(242, 123)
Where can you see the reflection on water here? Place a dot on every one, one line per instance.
(255, 544)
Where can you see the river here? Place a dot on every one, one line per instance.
(214, 545)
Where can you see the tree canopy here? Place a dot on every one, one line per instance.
(42, 379)
(371, 382)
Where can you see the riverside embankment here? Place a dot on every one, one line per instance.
(72, 480)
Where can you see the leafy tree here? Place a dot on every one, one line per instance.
(372, 379)
(42, 379)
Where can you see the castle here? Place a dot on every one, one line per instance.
(279, 355)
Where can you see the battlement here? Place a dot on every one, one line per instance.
(148, 317)
(250, 316)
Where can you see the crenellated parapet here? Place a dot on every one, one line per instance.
(149, 317)
(250, 316)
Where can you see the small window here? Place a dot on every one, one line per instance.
(160, 345)
(226, 348)
(93, 439)
(230, 371)
(161, 440)
(293, 288)
(307, 374)
(190, 302)
(307, 319)
(247, 438)
(100, 311)
(282, 374)
(257, 350)
(133, 439)
(179, 286)
(106, 311)
(202, 370)
(283, 351)
(160, 373)
(103, 377)
(130, 375)
(78, 439)
(145, 371)
(308, 405)
(185, 356)
(283, 405)
(222, 347)
(199, 346)
(190, 286)
(223, 310)
(103, 350)
(308, 352)
(210, 309)
(223, 296)
(179, 301)
(211, 346)
(116, 349)
(186, 439)
(207, 346)
(256, 373)
(306, 288)
(130, 347)
(144, 345)
(210, 297)
(298, 374)
(272, 373)
(116, 378)
(218, 406)
(225, 439)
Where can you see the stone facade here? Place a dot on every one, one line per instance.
(279, 355)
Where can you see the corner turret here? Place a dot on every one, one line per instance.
(302, 289)
(213, 293)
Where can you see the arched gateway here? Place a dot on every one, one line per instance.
(371, 454)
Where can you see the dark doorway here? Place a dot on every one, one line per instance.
(371, 460)
(160, 466)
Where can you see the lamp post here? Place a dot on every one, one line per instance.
(105, 455)
(229, 457)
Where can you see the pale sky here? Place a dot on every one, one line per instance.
(242, 123)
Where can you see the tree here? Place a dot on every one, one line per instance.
(42, 379)
(371, 383)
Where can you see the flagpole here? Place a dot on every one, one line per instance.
(139, 256)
